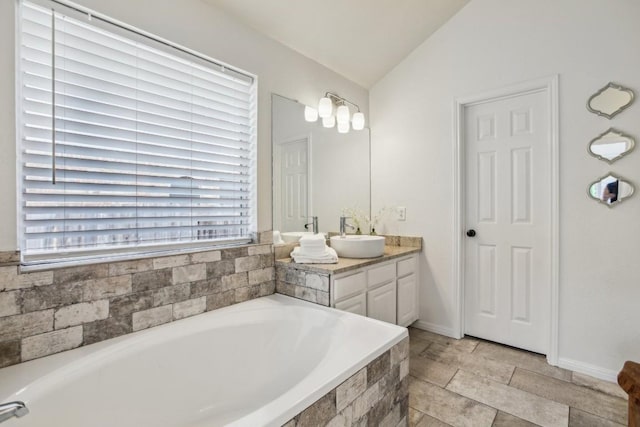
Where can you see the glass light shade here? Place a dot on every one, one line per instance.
(342, 115)
(310, 114)
(325, 107)
(329, 122)
(343, 127)
(358, 121)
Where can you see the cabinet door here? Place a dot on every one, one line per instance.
(356, 305)
(381, 303)
(407, 300)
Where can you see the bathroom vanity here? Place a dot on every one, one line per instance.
(386, 291)
(383, 288)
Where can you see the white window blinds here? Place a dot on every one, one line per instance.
(149, 147)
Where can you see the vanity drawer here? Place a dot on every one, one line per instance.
(356, 305)
(381, 275)
(406, 266)
(350, 285)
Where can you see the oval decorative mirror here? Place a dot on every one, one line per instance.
(610, 101)
(610, 190)
(611, 145)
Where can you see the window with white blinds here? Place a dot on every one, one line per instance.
(125, 144)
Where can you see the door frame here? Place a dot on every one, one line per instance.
(548, 85)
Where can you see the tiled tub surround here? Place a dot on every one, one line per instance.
(377, 395)
(310, 282)
(355, 370)
(50, 311)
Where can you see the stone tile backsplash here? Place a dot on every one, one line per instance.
(305, 285)
(47, 312)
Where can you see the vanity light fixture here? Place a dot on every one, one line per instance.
(329, 122)
(357, 122)
(310, 114)
(325, 107)
(342, 116)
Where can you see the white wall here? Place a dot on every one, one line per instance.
(494, 43)
(205, 29)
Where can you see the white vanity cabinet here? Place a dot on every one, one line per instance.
(387, 291)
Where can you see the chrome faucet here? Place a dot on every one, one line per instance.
(12, 409)
(344, 225)
(314, 222)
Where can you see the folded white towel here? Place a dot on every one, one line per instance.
(313, 241)
(328, 257)
(311, 251)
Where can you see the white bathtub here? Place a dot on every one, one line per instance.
(252, 364)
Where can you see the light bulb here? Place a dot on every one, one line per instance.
(343, 127)
(358, 121)
(342, 116)
(329, 122)
(325, 107)
(310, 114)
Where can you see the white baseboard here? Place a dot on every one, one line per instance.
(588, 369)
(436, 329)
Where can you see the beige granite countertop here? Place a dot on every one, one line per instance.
(347, 264)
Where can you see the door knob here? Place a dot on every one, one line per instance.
(471, 233)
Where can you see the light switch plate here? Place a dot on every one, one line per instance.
(401, 213)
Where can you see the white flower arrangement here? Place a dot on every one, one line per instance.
(376, 219)
(361, 220)
(357, 218)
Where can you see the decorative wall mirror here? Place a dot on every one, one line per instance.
(610, 190)
(610, 101)
(611, 145)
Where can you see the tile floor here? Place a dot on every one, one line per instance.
(471, 382)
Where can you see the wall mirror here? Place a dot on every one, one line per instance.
(316, 170)
(610, 101)
(611, 145)
(611, 190)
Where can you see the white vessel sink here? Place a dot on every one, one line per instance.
(357, 246)
(294, 236)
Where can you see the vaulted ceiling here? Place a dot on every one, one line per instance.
(359, 39)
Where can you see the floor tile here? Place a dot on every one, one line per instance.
(429, 370)
(507, 420)
(497, 371)
(606, 387)
(417, 344)
(593, 402)
(414, 417)
(428, 421)
(521, 404)
(465, 344)
(578, 418)
(448, 407)
(521, 358)
(418, 419)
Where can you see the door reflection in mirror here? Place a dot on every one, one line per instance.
(611, 190)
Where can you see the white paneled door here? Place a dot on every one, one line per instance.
(508, 243)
